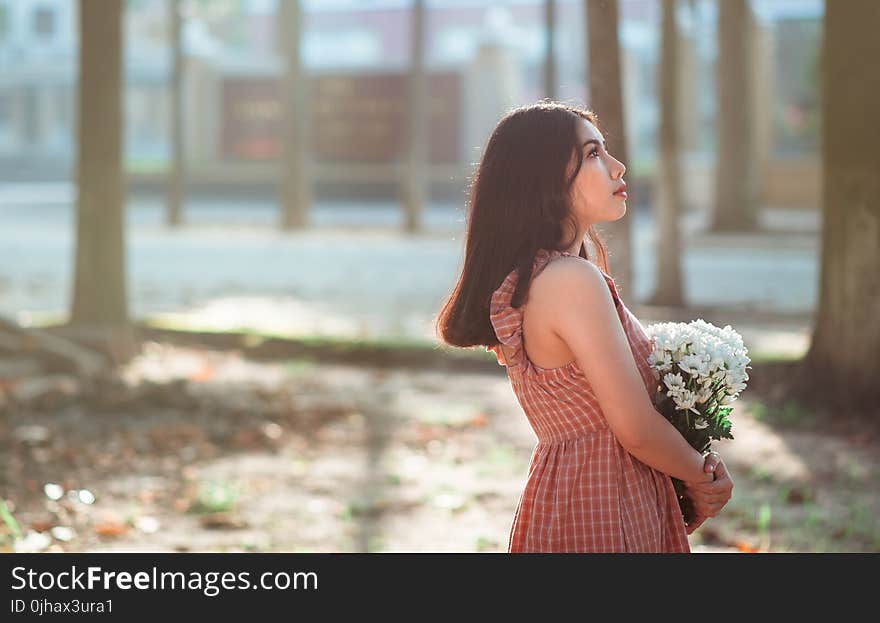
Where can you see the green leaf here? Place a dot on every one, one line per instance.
(9, 520)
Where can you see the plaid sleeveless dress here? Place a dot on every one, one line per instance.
(584, 492)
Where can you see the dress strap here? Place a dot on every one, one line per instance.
(613, 287)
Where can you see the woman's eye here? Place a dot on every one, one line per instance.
(593, 153)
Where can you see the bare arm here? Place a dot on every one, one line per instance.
(582, 314)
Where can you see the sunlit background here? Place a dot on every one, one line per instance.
(481, 59)
(286, 391)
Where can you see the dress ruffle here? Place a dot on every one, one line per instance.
(507, 322)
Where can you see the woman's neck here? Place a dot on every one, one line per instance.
(575, 248)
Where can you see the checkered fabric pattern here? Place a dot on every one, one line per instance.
(584, 492)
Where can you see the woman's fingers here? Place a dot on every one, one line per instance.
(711, 462)
(708, 504)
(708, 511)
(713, 502)
(712, 489)
(722, 477)
(713, 497)
(722, 485)
(710, 497)
(705, 507)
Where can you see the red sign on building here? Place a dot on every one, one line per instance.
(355, 117)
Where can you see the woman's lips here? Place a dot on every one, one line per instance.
(622, 193)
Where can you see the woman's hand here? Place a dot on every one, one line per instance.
(710, 494)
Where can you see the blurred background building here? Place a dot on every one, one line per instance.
(482, 58)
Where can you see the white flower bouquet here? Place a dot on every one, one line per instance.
(701, 370)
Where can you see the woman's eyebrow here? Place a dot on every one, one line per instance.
(592, 140)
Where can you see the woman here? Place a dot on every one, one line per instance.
(599, 475)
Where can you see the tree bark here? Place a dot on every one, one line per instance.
(100, 301)
(669, 290)
(295, 184)
(99, 295)
(414, 182)
(550, 49)
(841, 365)
(606, 99)
(174, 215)
(736, 202)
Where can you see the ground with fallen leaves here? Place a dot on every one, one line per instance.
(205, 450)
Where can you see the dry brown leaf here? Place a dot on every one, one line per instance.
(205, 373)
(247, 438)
(111, 529)
(427, 432)
(222, 521)
(745, 548)
(479, 419)
(41, 525)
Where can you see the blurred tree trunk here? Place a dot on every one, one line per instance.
(669, 291)
(100, 302)
(606, 99)
(174, 215)
(550, 49)
(295, 183)
(414, 182)
(736, 202)
(841, 365)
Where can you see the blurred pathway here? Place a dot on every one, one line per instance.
(354, 275)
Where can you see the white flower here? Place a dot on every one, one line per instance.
(685, 400)
(704, 394)
(735, 376)
(674, 382)
(720, 375)
(700, 423)
(669, 336)
(700, 355)
(715, 352)
(693, 364)
(736, 388)
(661, 360)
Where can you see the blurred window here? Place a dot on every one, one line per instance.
(4, 20)
(44, 22)
(457, 44)
(354, 47)
(4, 107)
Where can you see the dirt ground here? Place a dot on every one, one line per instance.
(205, 450)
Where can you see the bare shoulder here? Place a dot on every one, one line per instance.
(571, 279)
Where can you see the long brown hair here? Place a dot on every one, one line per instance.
(519, 202)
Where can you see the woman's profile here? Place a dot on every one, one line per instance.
(599, 474)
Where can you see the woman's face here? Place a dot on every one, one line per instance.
(593, 198)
